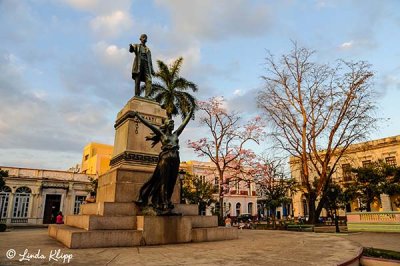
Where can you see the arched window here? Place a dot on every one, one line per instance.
(238, 209)
(305, 206)
(21, 202)
(4, 196)
(250, 208)
(217, 209)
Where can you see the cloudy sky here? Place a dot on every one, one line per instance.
(65, 65)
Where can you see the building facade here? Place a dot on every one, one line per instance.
(35, 196)
(357, 155)
(96, 158)
(239, 196)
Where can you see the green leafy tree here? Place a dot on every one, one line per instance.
(94, 185)
(197, 191)
(172, 93)
(336, 198)
(392, 186)
(273, 187)
(373, 180)
(2, 184)
(2, 175)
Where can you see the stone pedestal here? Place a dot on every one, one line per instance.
(115, 220)
(130, 148)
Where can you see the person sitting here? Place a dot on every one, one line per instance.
(241, 225)
(91, 197)
(59, 218)
(228, 221)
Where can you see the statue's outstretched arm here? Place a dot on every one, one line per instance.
(153, 128)
(185, 122)
(132, 48)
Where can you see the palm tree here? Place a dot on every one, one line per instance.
(172, 93)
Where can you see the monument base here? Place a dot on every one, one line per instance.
(115, 220)
(111, 224)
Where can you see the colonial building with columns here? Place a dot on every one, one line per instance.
(35, 196)
(361, 154)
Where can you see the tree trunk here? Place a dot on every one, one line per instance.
(311, 208)
(221, 211)
(320, 206)
(368, 206)
(336, 223)
(273, 218)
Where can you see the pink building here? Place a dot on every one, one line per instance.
(239, 193)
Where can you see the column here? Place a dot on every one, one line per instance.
(386, 204)
(10, 207)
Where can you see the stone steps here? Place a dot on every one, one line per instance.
(73, 237)
(90, 231)
(204, 221)
(96, 222)
(214, 234)
(109, 208)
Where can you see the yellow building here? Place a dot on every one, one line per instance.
(357, 155)
(96, 158)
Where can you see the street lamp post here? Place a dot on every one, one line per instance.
(182, 174)
(335, 214)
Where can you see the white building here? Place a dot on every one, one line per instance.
(35, 196)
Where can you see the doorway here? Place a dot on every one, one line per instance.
(51, 209)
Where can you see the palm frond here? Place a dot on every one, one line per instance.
(184, 84)
(156, 88)
(163, 72)
(170, 92)
(176, 67)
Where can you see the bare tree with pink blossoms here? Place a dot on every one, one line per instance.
(225, 145)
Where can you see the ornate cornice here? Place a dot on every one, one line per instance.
(129, 156)
(127, 115)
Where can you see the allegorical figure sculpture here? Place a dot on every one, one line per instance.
(142, 67)
(159, 188)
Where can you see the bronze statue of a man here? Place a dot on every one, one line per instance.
(142, 67)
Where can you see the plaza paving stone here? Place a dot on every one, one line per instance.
(389, 241)
(254, 247)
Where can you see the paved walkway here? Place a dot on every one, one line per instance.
(389, 241)
(254, 247)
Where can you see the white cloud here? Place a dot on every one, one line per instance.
(391, 81)
(191, 55)
(347, 45)
(40, 94)
(210, 19)
(99, 6)
(359, 44)
(111, 25)
(112, 55)
(244, 102)
(30, 121)
(111, 18)
(238, 92)
(19, 23)
(324, 3)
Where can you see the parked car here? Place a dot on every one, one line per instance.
(244, 217)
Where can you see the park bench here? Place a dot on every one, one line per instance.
(300, 227)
